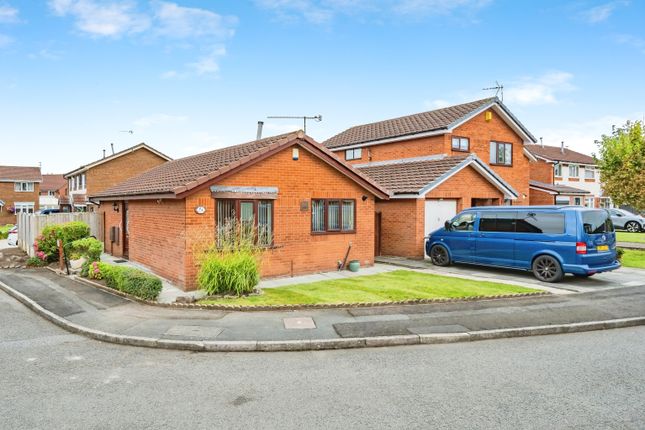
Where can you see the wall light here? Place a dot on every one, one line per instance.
(115, 207)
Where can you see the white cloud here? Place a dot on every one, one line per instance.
(538, 90)
(179, 22)
(634, 41)
(159, 119)
(601, 12)
(438, 7)
(312, 11)
(8, 14)
(208, 64)
(110, 19)
(46, 54)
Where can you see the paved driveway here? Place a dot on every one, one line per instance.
(623, 277)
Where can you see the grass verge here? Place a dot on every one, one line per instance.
(633, 258)
(624, 236)
(390, 286)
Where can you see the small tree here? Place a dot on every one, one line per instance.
(621, 160)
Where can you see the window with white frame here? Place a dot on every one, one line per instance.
(24, 187)
(501, 153)
(574, 170)
(24, 207)
(460, 143)
(589, 202)
(590, 173)
(354, 154)
(71, 184)
(83, 181)
(562, 200)
(557, 169)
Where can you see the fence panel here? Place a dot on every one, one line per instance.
(31, 225)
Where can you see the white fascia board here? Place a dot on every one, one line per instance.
(391, 140)
(528, 153)
(405, 196)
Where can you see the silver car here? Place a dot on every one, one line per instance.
(626, 220)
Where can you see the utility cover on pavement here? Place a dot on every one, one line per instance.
(298, 323)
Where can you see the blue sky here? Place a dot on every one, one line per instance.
(190, 76)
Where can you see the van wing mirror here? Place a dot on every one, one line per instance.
(447, 226)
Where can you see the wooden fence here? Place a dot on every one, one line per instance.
(31, 225)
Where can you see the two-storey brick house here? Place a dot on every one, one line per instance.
(106, 172)
(19, 189)
(437, 163)
(51, 189)
(565, 177)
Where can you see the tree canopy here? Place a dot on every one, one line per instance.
(621, 160)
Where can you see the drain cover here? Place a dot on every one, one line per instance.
(120, 261)
(299, 323)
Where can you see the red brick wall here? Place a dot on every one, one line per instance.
(541, 171)
(397, 150)
(110, 173)
(10, 197)
(540, 198)
(481, 133)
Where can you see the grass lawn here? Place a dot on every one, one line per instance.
(624, 236)
(633, 258)
(390, 286)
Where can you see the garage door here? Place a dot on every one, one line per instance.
(437, 212)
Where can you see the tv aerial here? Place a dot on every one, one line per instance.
(304, 119)
(499, 90)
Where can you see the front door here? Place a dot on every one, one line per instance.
(126, 233)
(377, 234)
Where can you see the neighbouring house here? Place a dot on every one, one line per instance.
(51, 189)
(106, 172)
(565, 177)
(437, 163)
(19, 189)
(307, 207)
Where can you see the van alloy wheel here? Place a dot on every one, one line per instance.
(439, 256)
(633, 227)
(547, 269)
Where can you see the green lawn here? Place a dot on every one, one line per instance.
(633, 258)
(623, 236)
(390, 286)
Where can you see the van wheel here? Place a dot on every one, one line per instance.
(439, 256)
(632, 227)
(547, 269)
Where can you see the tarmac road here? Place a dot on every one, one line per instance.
(52, 379)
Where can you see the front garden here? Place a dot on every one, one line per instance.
(83, 251)
(624, 236)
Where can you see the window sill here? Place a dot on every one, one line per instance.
(327, 233)
(460, 150)
(590, 180)
(501, 165)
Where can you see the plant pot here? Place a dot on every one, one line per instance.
(354, 265)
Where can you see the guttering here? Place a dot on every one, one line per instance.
(133, 197)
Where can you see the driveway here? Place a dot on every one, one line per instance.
(623, 277)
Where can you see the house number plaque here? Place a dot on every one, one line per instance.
(200, 210)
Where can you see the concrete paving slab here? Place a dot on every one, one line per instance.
(299, 323)
(450, 328)
(196, 331)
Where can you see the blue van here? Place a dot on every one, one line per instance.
(547, 240)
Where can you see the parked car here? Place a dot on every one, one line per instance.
(48, 211)
(547, 240)
(12, 238)
(626, 220)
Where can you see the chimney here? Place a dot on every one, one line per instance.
(541, 143)
(258, 136)
(104, 153)
(562, 147)
(112, 145)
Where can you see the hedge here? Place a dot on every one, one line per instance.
(89, 247)
(128, 280)
(67, 232)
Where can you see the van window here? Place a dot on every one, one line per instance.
(497, 221)
(540, 222)
(595, 222)
(464, 222)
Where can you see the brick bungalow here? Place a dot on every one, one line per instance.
(106, 172)
(307, 206)
(472, 154)
(19, 189)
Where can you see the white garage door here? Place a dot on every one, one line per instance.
(438, 212)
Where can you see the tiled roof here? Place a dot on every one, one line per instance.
(110, 157)
(19, 173)
(555, 153)
(406, 125)
(52, 182)
(178, 176)
(560, 189)
(412, 175)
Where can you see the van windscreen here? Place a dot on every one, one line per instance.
(596, 222)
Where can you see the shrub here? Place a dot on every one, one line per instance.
(4, 231)
(128, 280)
(67, 232)
(88, 247)
(229, 272)
(619, 253)
(36, 262)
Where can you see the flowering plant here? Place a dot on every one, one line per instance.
(94, 271)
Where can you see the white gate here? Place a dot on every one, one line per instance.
(31, 225)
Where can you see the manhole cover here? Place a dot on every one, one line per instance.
(299, 323)
(120, 261)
